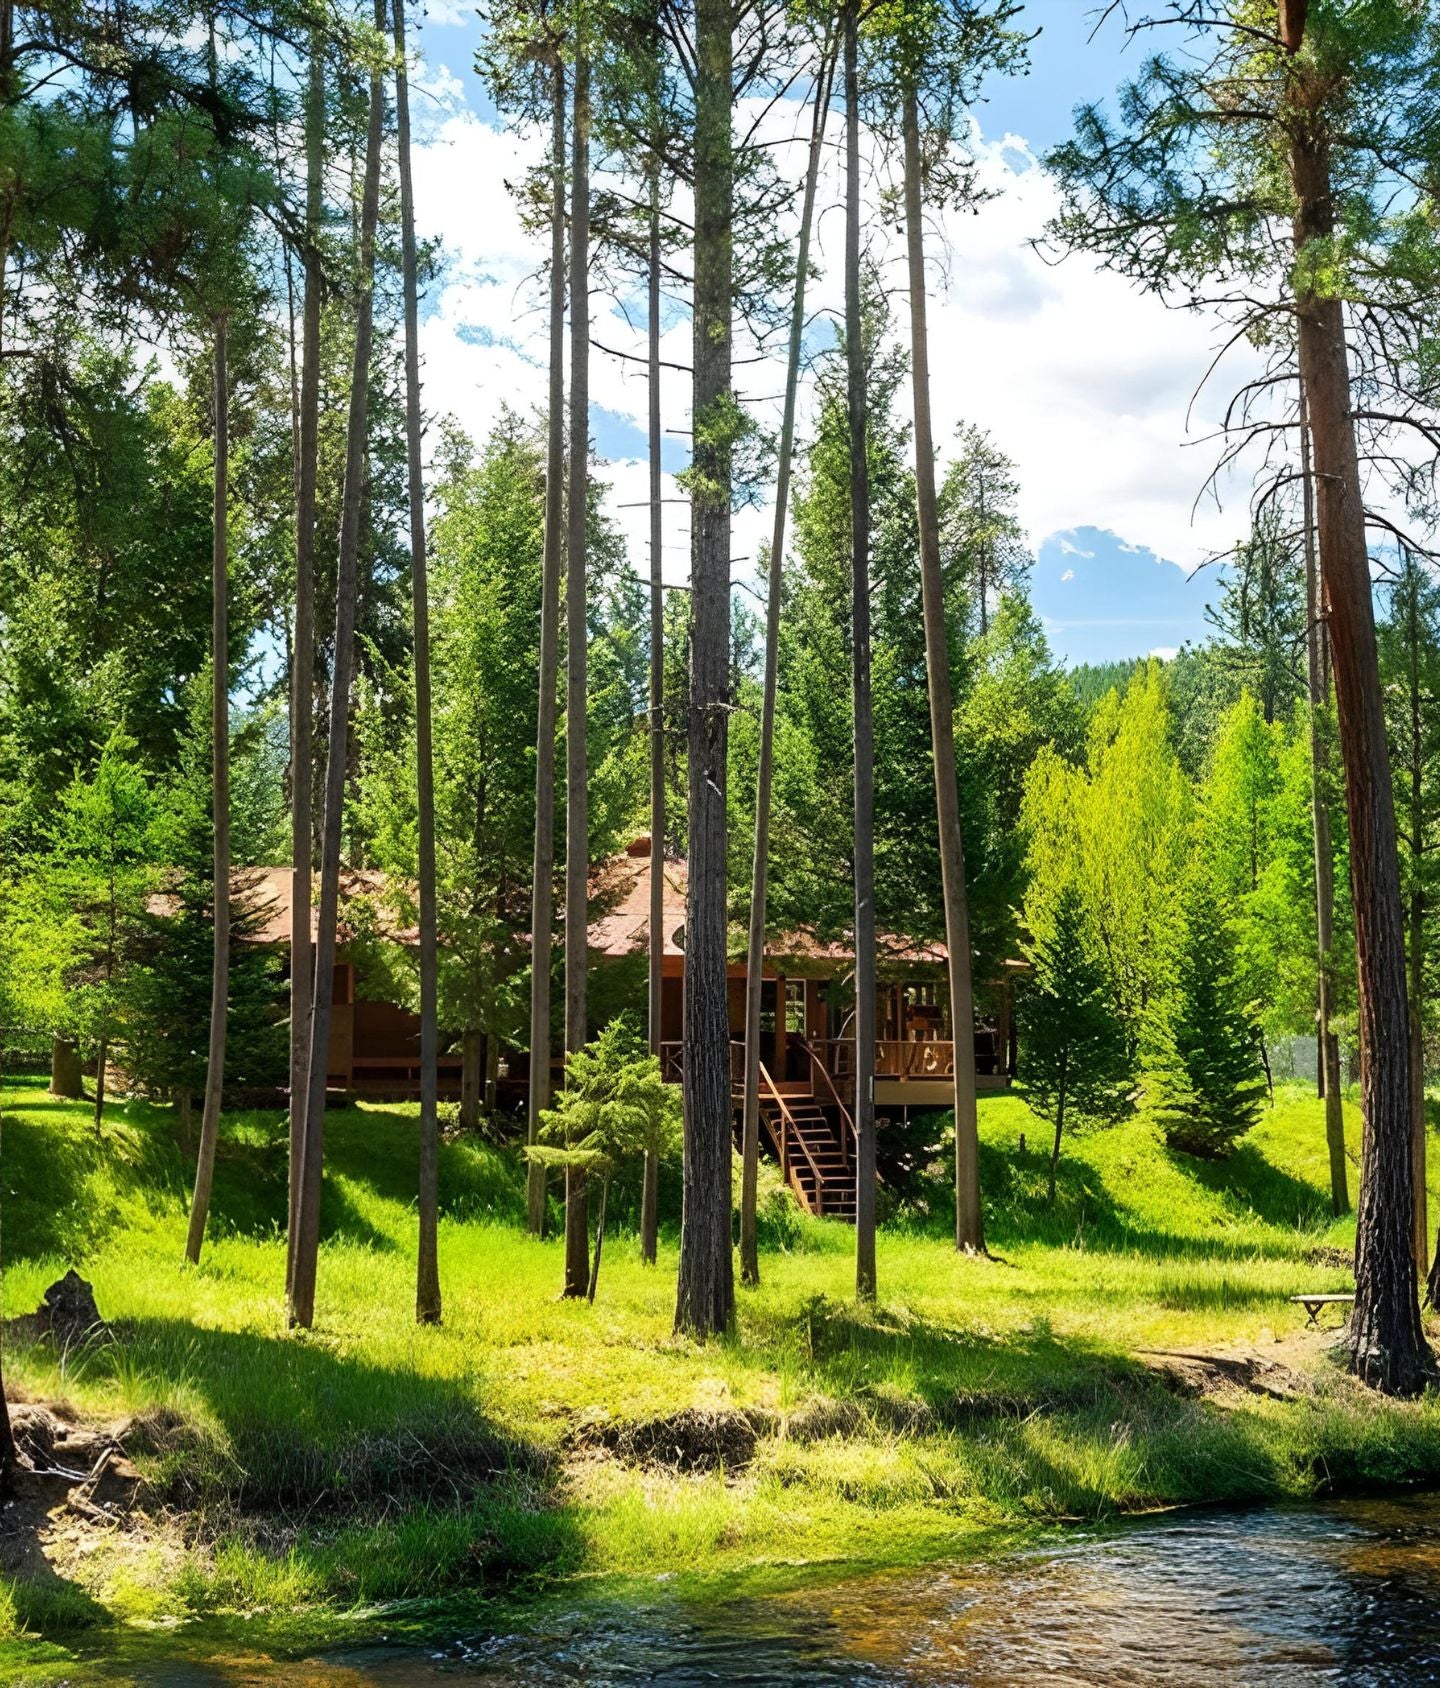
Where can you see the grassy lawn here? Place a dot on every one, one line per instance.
(298, 1479)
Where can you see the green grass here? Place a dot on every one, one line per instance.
(314, 1477)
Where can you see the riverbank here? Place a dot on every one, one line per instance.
(294, 1484)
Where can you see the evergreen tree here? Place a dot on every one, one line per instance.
(979, 526)
(1262, 616)
(614, 1105)
(167, 1018)
(1186, 193)
(86, 903)
(1202, 1059)
(1074, 1058)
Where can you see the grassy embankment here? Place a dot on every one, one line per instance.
(306, 1477)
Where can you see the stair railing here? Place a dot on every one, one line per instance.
(847, 1124)
(788, 1129)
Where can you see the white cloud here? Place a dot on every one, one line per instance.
(1084, 382)
(1166, 652)
(450, 11)
(1069, 574)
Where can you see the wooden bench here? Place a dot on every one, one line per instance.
(1314, 1305)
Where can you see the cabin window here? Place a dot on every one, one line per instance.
(795, 1006)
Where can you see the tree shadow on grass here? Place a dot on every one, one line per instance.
(1251, 1184)
(959, 1372)
(1086, 1215)
(296, 1429)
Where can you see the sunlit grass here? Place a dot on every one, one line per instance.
(371, 1461)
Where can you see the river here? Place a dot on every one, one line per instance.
(1343, 1592)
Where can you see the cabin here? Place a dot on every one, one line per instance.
(807, 1063)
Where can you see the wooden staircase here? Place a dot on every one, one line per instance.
(813, 1158)
(811, 1131)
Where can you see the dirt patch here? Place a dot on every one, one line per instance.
(1226, 1372)
(692, 1440)
(74, 1485)
(1337, 1259)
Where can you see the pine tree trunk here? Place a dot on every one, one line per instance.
(1318, 677)
(577, 813)
(67, 1076)
(542, 882)
(1415, 946)
(705, 1295)
(759, 876)
(220, 751)
(102, 1061)
(650, 1193)
(594, 1283)
(864, 868)
(1059, 1127)
(427, 1274)
(307, 1242)
(471, 1043)
(1388, 1344)
(969, 1219)
(302, 661)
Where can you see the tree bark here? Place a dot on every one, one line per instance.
(542, 882)
(302, 661)
(864, 729)
(705, 1297)
(427, 1273)
(599, 1244)
(1059, 1126)
(969, 1219)
(102, 1060)
(220, 779)
(1318, 678)
(67, 1078)
(577, 811)
(1415, 944)
(1388, 1347)
(650, 1191)
(307, 1242)
(759, 876)
(471, 1044)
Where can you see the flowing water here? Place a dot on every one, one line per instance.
(1345, 1592)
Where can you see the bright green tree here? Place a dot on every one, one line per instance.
(614, 1106)
(1202, 1054)
(167, 1007)
(85, 904)
(1074, 1055)
(1118, 828)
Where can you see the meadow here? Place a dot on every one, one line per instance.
(299, 1484)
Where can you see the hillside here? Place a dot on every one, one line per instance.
(298, 1479)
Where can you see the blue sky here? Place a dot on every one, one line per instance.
(1086, 385)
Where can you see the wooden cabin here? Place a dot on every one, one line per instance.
(808, 1049)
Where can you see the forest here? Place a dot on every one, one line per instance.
(422, 881)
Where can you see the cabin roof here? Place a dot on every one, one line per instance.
(620, 926)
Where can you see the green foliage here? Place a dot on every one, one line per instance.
(1118, 830)
(1074, 1058)
(614, 1105)
(979, 524)
(167, 1000)
(1201, 1053)
(82, 909)
(485, 582)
